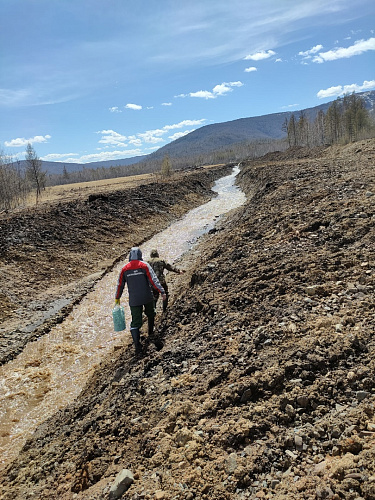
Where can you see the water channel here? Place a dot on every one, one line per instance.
(50, 372)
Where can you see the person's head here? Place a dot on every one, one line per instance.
(154, 253)
(135, 254)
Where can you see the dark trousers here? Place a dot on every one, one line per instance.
(137, 311)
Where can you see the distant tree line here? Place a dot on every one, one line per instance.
(346, 120)
(167, 165)
(17, 183)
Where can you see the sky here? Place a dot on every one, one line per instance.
(89, 80)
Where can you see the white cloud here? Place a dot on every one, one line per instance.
(152, 136)
(177, 135)
(113, 138)
(115, 109)
(11, 97)
(133, 106)
(258, 56)
(105, 156)
(134, 140)
(204, 94)
(345, 89)
(358, 48)
(251, 69)
(184, 123)
(314, 50)
(59, 157)
(166, 104)
(218, 90)
(22, 142)
(278, 59)
(289, 106)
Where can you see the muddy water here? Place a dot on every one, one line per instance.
(51, 372)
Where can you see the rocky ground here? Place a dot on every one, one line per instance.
(260, 381)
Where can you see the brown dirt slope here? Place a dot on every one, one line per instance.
(260, 383)
(51, 255)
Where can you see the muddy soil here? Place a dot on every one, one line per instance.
(260, 380)
(51, 255)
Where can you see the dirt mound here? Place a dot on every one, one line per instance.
(260, 380)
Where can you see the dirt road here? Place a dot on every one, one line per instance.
(260, 381)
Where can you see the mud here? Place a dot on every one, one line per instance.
(260, 381)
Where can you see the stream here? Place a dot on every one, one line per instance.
(50, 372)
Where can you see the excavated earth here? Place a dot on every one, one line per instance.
(260, 380)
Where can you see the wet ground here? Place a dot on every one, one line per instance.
(259, 382)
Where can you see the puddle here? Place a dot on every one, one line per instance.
(50, 372)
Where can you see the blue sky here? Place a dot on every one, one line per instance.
(90, 80)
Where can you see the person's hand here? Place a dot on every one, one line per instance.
(117, 302)
(164, 296)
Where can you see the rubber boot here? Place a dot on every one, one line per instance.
(136, 339)
(151, 323)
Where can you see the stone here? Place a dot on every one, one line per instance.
(274, 483)
(361, 395)
(302, 401)
(122, 482)
(246, 396)
(231, 463)
(298, 441)
(320, 467)
(290, 410)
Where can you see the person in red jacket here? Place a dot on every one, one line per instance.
(140, 279)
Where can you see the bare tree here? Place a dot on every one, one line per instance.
(34, 171)
(292, 131)
(166, 167)
(303, 130)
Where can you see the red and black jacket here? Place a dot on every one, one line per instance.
(140, 278)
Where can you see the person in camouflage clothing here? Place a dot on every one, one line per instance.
(159, 265)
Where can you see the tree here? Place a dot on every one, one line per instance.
(355, 116)
(333, 122)
(166, 167)
(292, 132)
(318, 129)
(34, 171)
(302, 130)
(65, 175)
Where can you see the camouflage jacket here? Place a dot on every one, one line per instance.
(158, 265)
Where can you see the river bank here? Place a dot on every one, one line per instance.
(260, 380)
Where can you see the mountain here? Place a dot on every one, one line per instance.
(220, 135)
(213, 137)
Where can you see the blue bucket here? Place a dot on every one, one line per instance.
(118, 315)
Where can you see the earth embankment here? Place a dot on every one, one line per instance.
(260, 380)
